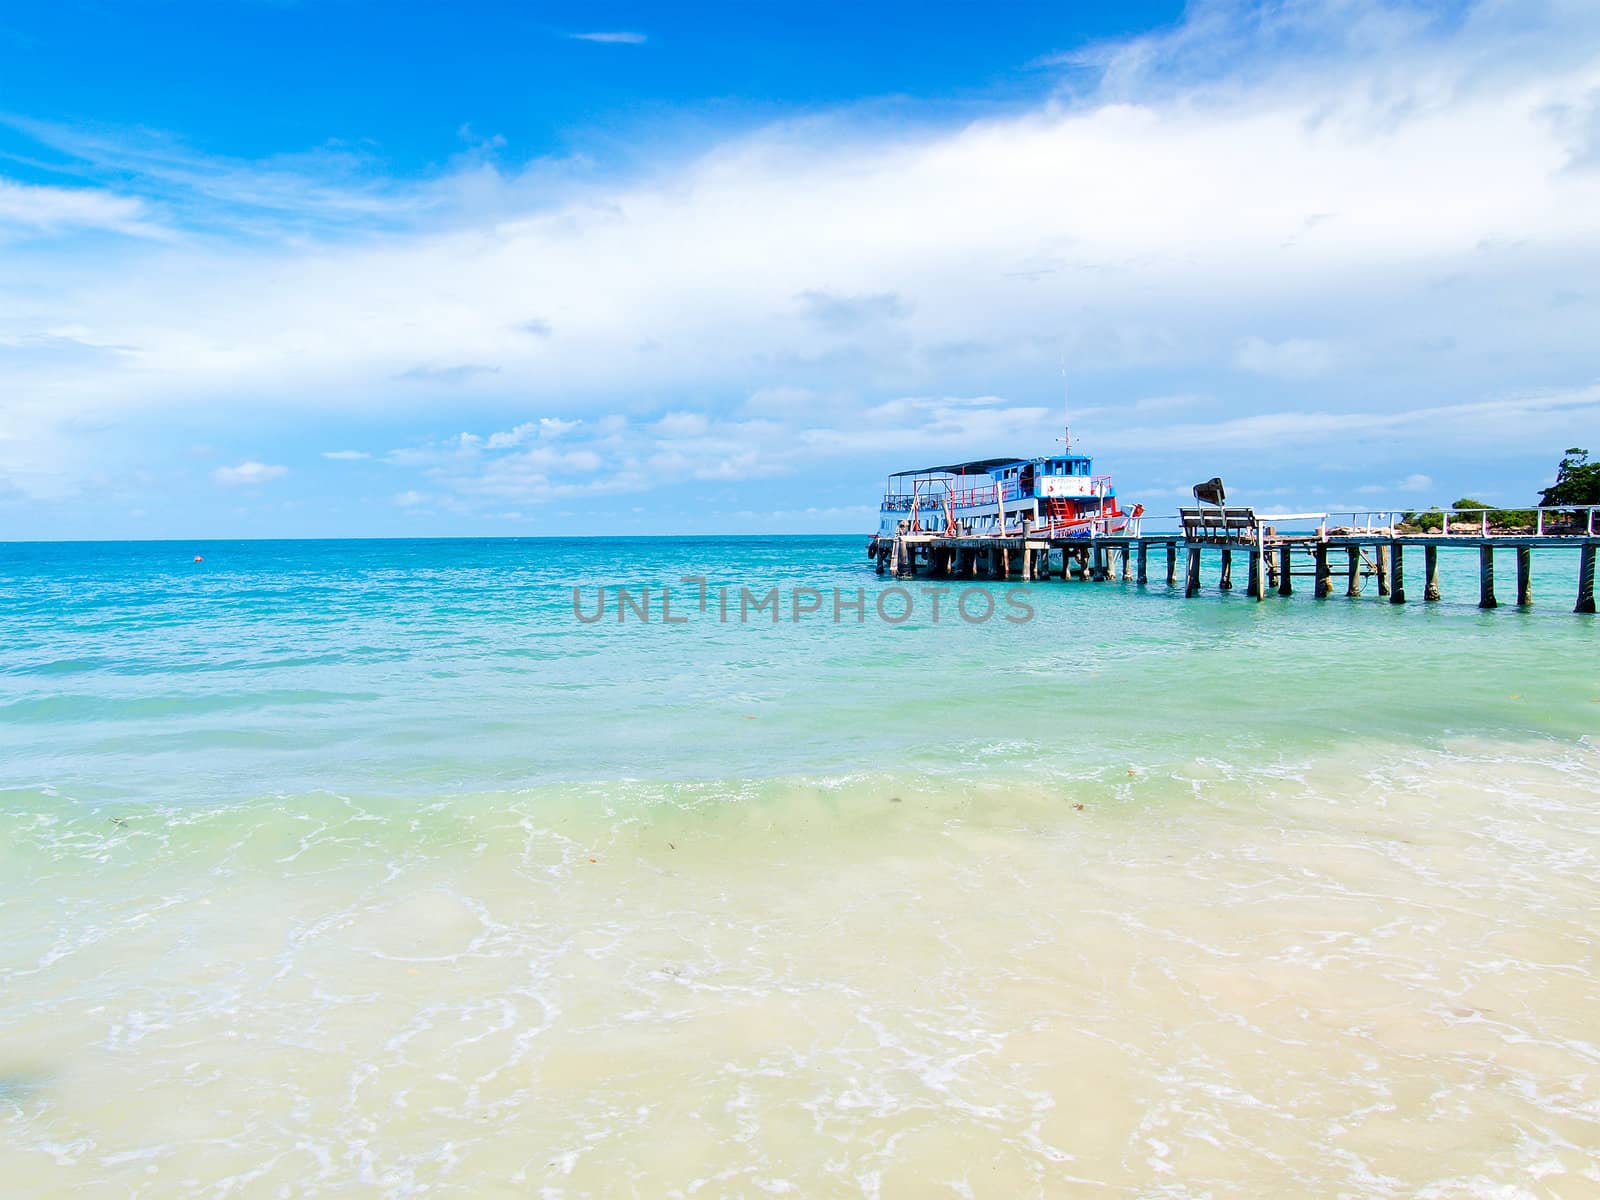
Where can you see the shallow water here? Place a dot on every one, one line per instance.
(364, 868)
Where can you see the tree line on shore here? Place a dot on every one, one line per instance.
(1577, 484)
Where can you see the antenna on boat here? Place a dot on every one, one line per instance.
(1066, 415)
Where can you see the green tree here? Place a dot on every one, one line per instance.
(1577, 481)
(1432, 521)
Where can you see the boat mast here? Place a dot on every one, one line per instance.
(1066, 411)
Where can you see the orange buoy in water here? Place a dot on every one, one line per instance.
(197, 558)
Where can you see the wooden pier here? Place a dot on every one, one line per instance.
(1373, 548)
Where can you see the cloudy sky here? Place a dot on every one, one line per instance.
(330, 267)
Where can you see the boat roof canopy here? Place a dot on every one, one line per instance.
(979, 465)
(965, 468)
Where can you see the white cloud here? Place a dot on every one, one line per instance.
(544, 427)
(345, 455)
(1294, 358)
(54, 210)
(683, 424)
(1173, 403)
(1163, 223)
(1222, 211)
(329, 186)
(1521, 422)
(618, 38)
(247, 473)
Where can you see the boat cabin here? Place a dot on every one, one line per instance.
(1056, 495)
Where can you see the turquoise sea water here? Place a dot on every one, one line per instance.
(132, 675)
(383, 870)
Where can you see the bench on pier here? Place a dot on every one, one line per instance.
(1225, 526)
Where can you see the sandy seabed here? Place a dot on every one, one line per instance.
(1369, 975)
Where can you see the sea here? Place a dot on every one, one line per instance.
(439, 867)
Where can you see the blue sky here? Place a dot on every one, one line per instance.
(338, 268)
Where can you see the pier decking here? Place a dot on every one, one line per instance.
(1370, 548)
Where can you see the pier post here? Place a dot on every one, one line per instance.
(1144, 564)
(1271, 560)
(1586, 578)
(1027, 564)
(1352, 587)
(1258, 569)
(1097, 571)
(1486, 578)
(1285, 575)
(1226, 581)
(1324, 587)
(1381, 554)
(1172, 564)
(1430, 572)
(1397, 573)
(1127, 562)
(1524, 576)
(1192, 584)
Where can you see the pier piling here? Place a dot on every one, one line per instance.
(1397, 573)
(1369, 548)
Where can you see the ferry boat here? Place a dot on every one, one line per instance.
(1057, 496)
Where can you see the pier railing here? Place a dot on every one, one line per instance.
(1565, 520)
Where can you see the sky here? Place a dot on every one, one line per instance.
(326, 268)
